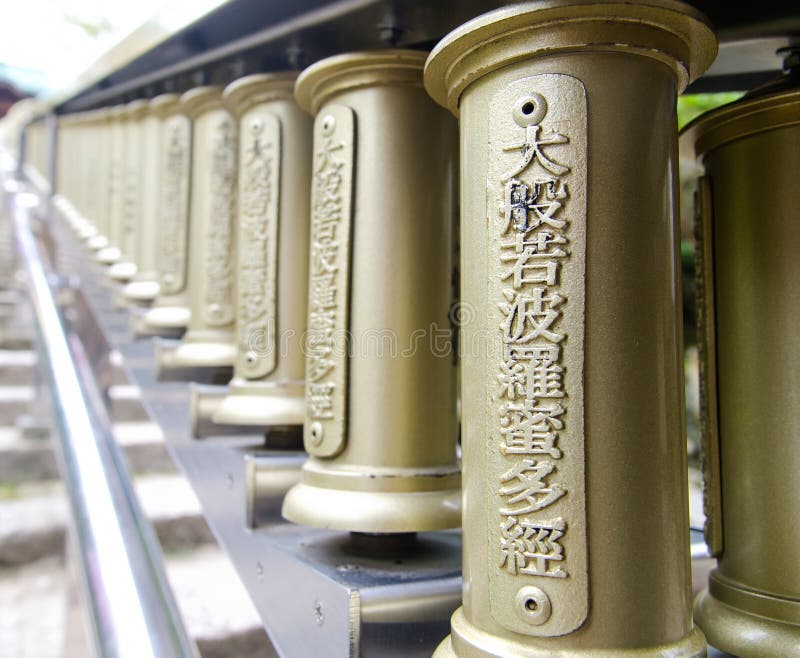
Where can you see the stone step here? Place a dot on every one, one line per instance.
(18, 376)
(41, 608)
(30, 459)
(125, 403)
(15, 401)
(17, 367)
(17, 338)
(13, 293)
(215, 606)
(33, 601)
(33, 518)
(17, 317)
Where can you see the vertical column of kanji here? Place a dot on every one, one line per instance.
(573, 443)
(131, 186)
(112, 253)
(537, 263)
(144, 287)
(750, 398)
(380, 379)
(209, 342)
(170, 312)
(274, 178)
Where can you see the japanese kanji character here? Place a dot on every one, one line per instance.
(533, 150)
(512, 380)
(531, 316)
(528, 487)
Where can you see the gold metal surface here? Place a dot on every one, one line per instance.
(537, 269)
(576, 537)
(204, 401)
(100, 182)
(332, 197)
(170, 311)
(130, 190)
(209, 340)
(116, 172)
(144, 288)
(82, 182)
(750, 154)
(272, 269)
(265, 486)
(380, 398)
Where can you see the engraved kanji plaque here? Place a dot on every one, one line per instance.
(174, 206)
(259, 178)
(219, 304)
(536, 223)
(329, 281)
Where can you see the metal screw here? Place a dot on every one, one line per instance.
(328, 125)
(317, 433)
(533, 605)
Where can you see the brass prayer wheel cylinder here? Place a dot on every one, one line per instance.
(380, 423)
(65, 175)
(98, 183)
(144, 287)
(79, 214)
(101, 189)
(576, 540)
(209, 341)
(131, 192)
(272, 266)
(170, 311)
(747, 208)
(87, 172)
(116, 190)
(77, 210)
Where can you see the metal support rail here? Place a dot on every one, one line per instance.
(132, 608)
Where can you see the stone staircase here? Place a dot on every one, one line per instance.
(40, 602)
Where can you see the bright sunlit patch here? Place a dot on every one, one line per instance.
(11, 186)
(27, 200)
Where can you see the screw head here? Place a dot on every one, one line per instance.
(317, 433)
(533, 605)
(328, 125)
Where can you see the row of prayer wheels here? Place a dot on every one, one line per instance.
(316, 259)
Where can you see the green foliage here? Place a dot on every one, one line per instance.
(93, 29)
(692, 106)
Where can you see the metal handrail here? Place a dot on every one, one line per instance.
(132, 608)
